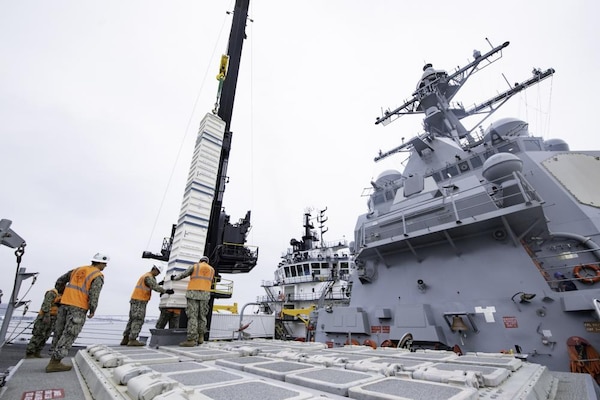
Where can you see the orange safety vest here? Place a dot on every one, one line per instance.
(142, 291)
(202, 277)
(77, 290)
(55, 303)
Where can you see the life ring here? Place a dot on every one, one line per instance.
(387, 343)
(369, 342)
(579, 273)
(353, 342)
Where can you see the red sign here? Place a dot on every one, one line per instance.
(44, 394)
(510, 322)
(385, 329)
(375, 329)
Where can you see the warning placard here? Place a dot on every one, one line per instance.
(510, 322)
(44, 394)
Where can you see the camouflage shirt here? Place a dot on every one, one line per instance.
(48, 301)
(150, 281)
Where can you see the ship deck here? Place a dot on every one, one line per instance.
(278, 370)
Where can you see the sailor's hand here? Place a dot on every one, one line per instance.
(173, 277)
(91, 315)
(169, 291)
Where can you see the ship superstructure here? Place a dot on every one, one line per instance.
(312, 274)
(486, 241)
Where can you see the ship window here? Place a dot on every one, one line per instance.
(378, 198)
(450, 171)
(315, 265)
(293, 271)
(511, 147)
(287, 272)
(316, 271)
(488, 154)
(476, 162)
(390, 194)
(324, 265)
(532, 145)
(300, 273)
(306, 269)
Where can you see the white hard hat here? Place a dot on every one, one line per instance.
(158, 267)
(204, 259)
(101, 258)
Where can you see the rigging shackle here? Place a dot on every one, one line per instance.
(19, 253)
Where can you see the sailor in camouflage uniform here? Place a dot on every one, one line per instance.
(79, 298)
(168, 315)
(198, 296)
(44, 323)
(137, 305)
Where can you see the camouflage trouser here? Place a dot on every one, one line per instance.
(137, 315)
(196, 312)
(167, 316)
(40, 334)
(69, 323)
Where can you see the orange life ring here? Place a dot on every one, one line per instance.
(579, 273)
(354, 342)
(387, 343)
(369, 342)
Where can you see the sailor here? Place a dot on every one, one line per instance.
(44, 322)
(79, 298)
(198, 296)
(137, 305)
(170, 315)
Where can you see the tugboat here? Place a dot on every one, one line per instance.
(487, 241)
(313, 274)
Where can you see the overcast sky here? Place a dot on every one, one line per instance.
(100, 104)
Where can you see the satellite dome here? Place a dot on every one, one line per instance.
(506, 128)
(556, 145)
(387, 177)
(499, 167)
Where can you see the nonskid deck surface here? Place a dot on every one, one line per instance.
(278, 370)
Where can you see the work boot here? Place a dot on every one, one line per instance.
(125, 341)
(188, 343)
(56, 366)
(135, 342)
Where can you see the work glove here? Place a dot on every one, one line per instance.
(173, 277)
(169, 291)
(161, 283)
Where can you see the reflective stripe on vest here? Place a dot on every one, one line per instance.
(77, 290)
(142, 291)
(202, 277)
